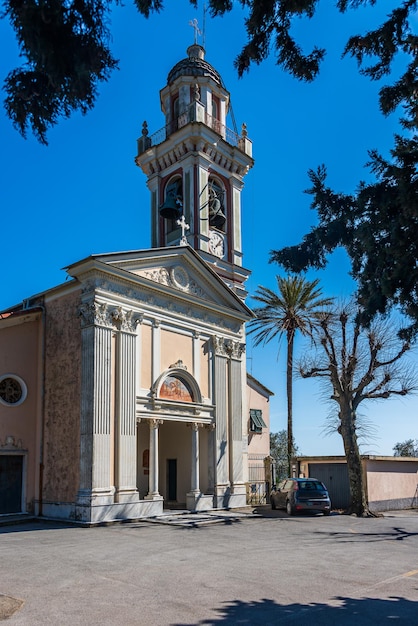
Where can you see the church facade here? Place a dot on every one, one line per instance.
(124, 390)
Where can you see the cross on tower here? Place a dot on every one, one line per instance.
(197, 31)
(182, 223)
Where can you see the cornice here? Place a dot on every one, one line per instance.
(166, 410)
(203, 141)
(155, 299)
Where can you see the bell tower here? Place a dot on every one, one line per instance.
(195, 167)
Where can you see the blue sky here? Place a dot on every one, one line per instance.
(83, 194)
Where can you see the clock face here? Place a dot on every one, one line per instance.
(216, 244)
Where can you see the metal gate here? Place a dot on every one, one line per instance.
(258, 487)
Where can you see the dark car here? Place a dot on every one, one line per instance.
(301, 494)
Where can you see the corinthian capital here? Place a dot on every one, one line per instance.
(126, 321)
(94, 313)
(237, 349)
(220, 346)
(228, 347)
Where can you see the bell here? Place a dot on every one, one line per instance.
(218, 220)
(171, 209)
(216, 215)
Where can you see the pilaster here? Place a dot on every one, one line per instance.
(236, 410)
(196, 356)
(125, 419)
(95, 418)
(221, 402)
(156, 349)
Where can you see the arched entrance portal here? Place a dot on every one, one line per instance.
(175, 444)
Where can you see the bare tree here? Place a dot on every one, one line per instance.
(358, 364)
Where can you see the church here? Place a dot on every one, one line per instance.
(124, 391)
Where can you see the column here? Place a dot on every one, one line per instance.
(195, 499)
(153, 493)
(125, 419)
(195, 458)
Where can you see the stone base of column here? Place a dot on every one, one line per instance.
(196, 501)
(228, 497)
(97, 514)
(239, 489)
(222, 495)
(232, 501)
(95, 497)
(127, 495)
(153, 497)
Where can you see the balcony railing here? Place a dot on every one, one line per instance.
(195, 113)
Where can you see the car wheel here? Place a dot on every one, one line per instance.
(289, 508)
(327, 512)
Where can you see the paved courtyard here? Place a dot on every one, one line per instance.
(240, 568)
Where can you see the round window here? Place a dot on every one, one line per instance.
(12, 390)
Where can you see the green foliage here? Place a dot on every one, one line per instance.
(65, 44)
(406, 448)
(378, 224)
(291, 309)
(146, 7)
(269, 31)
(378, 227)
(279, 453)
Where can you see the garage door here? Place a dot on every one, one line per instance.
(11, 472)
(335, 478)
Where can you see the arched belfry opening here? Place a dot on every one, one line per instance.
(217, 204)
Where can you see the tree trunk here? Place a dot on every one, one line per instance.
(358, 498)
(289, 390)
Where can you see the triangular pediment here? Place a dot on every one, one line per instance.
(176, 270)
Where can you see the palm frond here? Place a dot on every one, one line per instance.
(294, 307)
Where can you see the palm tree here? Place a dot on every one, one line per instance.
(294, 308)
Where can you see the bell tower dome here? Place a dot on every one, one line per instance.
(195, 168)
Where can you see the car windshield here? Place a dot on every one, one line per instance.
(310, 485)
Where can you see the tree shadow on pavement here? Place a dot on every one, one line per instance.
(342, 611)
(394, 534)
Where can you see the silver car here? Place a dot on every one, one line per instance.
(301, 494)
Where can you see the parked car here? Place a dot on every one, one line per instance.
(301, 494)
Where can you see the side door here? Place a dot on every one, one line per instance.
(11, 472)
